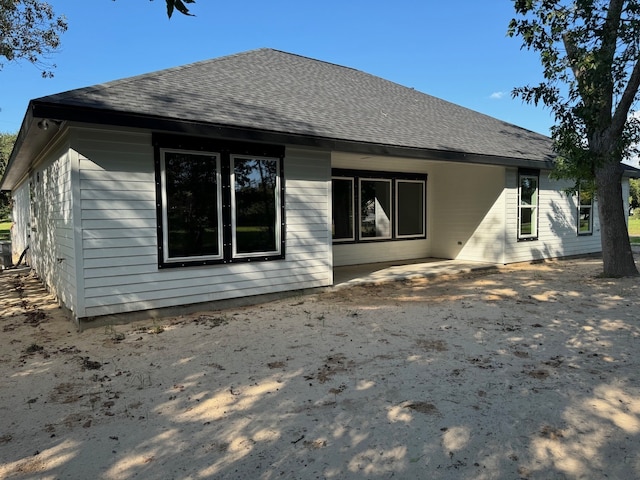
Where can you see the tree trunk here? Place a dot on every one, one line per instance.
(617, 256)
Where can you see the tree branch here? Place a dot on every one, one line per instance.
(610, 33)
(627, 99)
(610, 30)
(572, 54)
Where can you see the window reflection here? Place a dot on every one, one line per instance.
(256, 199)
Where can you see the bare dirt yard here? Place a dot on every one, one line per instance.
(528, 372)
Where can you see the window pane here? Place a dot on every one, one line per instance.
(528, 215)
(585, 208)
(527, 221)
(410, 208)
(342, 191)
(586, 198)
(257, 206)
(191, 186)
(585, 220)
(528, 191)
(375, 208)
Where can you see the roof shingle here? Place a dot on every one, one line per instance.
(280, 92)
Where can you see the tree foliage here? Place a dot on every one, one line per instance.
(6, 145)
(30, 30)
(178, 5)
(589, 51)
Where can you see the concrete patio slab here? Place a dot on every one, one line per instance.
(392, 271)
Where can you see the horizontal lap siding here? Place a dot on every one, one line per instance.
(557, 223)
(117, 191)
(373, 252)
(119, 238)
(625, 198)
(50, 225)
(308, 202)
(20, 216)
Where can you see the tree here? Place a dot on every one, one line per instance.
(6, 145)
(590, 51)
(30, 30)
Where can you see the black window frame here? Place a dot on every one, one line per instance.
(210, 159)
(394, 177)
(397, 220)
(582, 207)
(226, 150)
(528, 173)
(352, 206)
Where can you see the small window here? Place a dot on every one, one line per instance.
(375, 209)
(410, 208)
(585, 212)
(191, 201)
(528, 207)
(255, 206)
(343, 224)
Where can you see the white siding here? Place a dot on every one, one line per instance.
(21, 228)
(467, 210)
(625, 198)
(372, 252)
(119, 239)
(308, 214)
(51, 242)
(557, 223)
(88, 213)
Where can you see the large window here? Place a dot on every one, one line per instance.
(585, 212)
(191, 198)
(377, 206)
(528, 206)
(218, 202)
(255, 201)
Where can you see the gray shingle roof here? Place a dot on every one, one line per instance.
(274, 91)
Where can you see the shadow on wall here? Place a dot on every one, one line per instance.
(50, 228)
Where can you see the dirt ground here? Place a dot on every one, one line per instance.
(529, 372)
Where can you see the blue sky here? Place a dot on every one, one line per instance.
(456, 50)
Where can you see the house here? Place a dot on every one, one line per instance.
(261, 172)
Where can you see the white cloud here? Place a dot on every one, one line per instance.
(497, 95)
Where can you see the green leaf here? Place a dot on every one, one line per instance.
(180, 6)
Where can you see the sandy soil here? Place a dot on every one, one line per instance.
(531, 372)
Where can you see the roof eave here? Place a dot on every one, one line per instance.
(34, 135)
(38, 110)
(630, 171)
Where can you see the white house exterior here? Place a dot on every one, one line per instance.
(105, 184)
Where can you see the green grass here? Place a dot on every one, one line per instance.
(5, 231)
(634, 230)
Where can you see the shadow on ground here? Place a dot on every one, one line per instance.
(529, 372)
